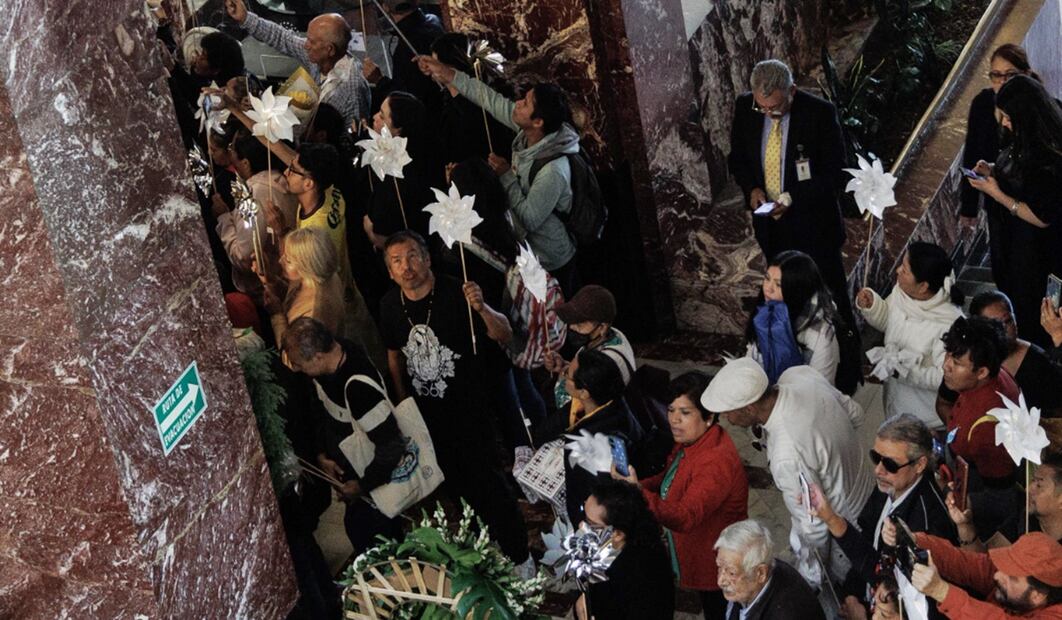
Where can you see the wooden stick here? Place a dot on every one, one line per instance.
(325, 478)
(486, 127)
(210, 156)
(1028, 475)
(310, 467)
(364, 33)
(401, 206)
(464, 272)
(870, 238)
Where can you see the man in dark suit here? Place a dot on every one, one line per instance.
(756, 585)
(906, 489)
(786, 141)
(421, 29)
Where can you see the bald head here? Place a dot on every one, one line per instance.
(329, 29)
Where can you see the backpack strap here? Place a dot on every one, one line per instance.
(378, 414)
(538, 164)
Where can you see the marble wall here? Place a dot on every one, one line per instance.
(109, 294)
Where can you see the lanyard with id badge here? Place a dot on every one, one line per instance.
(803, 165)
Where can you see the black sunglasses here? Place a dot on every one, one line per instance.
(890, 465)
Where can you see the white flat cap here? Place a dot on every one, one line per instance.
(740, 382)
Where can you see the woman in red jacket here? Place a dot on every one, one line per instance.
(702, 491)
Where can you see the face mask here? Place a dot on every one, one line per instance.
(576, 339)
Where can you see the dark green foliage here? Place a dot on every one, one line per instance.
(266, 399)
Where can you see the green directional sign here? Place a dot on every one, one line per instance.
(180, 407)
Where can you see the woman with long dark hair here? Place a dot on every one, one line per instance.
(920, 308)
(403, 115)
(1027, 180)
(794, 297)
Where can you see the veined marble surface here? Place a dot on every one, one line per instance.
(123, 296)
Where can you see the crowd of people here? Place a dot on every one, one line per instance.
(368, 310)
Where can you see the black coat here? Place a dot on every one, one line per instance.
(639, 586)
(615, 420)
(982, 142)
(923, 511)
(786, 597)
(813, 223)
(421, 30)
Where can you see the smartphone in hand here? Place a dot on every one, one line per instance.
(805, 491)
(970, 174)
(1054, 289)
(619, 456)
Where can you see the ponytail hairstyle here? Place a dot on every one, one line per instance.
(932, 265)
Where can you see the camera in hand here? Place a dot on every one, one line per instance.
(907, 553)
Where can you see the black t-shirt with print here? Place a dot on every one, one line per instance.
(446, 378)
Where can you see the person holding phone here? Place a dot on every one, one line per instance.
(703, 490)
(597, 406)
(1027, 180)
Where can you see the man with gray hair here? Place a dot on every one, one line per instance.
(324, 52)
(756, 585)
(906, 489)
(786, 141)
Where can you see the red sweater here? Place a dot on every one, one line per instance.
(973, 571)
(979, 448)
(709, 492)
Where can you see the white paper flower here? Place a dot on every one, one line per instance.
(482, 51)
(872, 187)
(272, 116)
(554, 543)
(452, 216)
(1018, 429)
(385, 153)
(532, 273)
(891, 361)
(591, 452)
(213, 119)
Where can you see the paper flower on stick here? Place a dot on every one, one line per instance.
(212, 113)
(591, 452)
(890, 361)
(589, 553)
(386, 154)
(272, 116)
(532, 273)
(1018, 429)
(481, 52)
(452, 216)
(554, 543)
(872, 187)
(200, 169)
(246, 206)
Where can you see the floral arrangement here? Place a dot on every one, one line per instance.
(480, 573)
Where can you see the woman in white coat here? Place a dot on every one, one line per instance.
(920, 308)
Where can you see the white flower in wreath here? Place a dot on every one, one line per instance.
(429, 362)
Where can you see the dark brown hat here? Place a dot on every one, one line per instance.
(591, 303)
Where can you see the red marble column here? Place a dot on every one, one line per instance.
(109, 293)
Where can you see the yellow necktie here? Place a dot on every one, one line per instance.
(772, 161)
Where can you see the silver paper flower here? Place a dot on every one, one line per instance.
(200, 169)
(589, 553)
(246, 205)
(452, 216)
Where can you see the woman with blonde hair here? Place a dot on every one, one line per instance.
(310, 267)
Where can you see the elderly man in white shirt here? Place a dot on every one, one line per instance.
(323, 51)
(810, 429)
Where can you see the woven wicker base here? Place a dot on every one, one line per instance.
(375, 595)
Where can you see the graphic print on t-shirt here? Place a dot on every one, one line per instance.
(428, 361)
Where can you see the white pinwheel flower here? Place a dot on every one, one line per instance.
(215, 117)
(482, 51)
(872, 187)
(386, 154)
(1018, 429)
(554, 543)
(532, 273)
(272, 116)
(891, 360)
(591, 452)
(452, 216)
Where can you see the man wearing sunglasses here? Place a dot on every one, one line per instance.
(902, 457)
